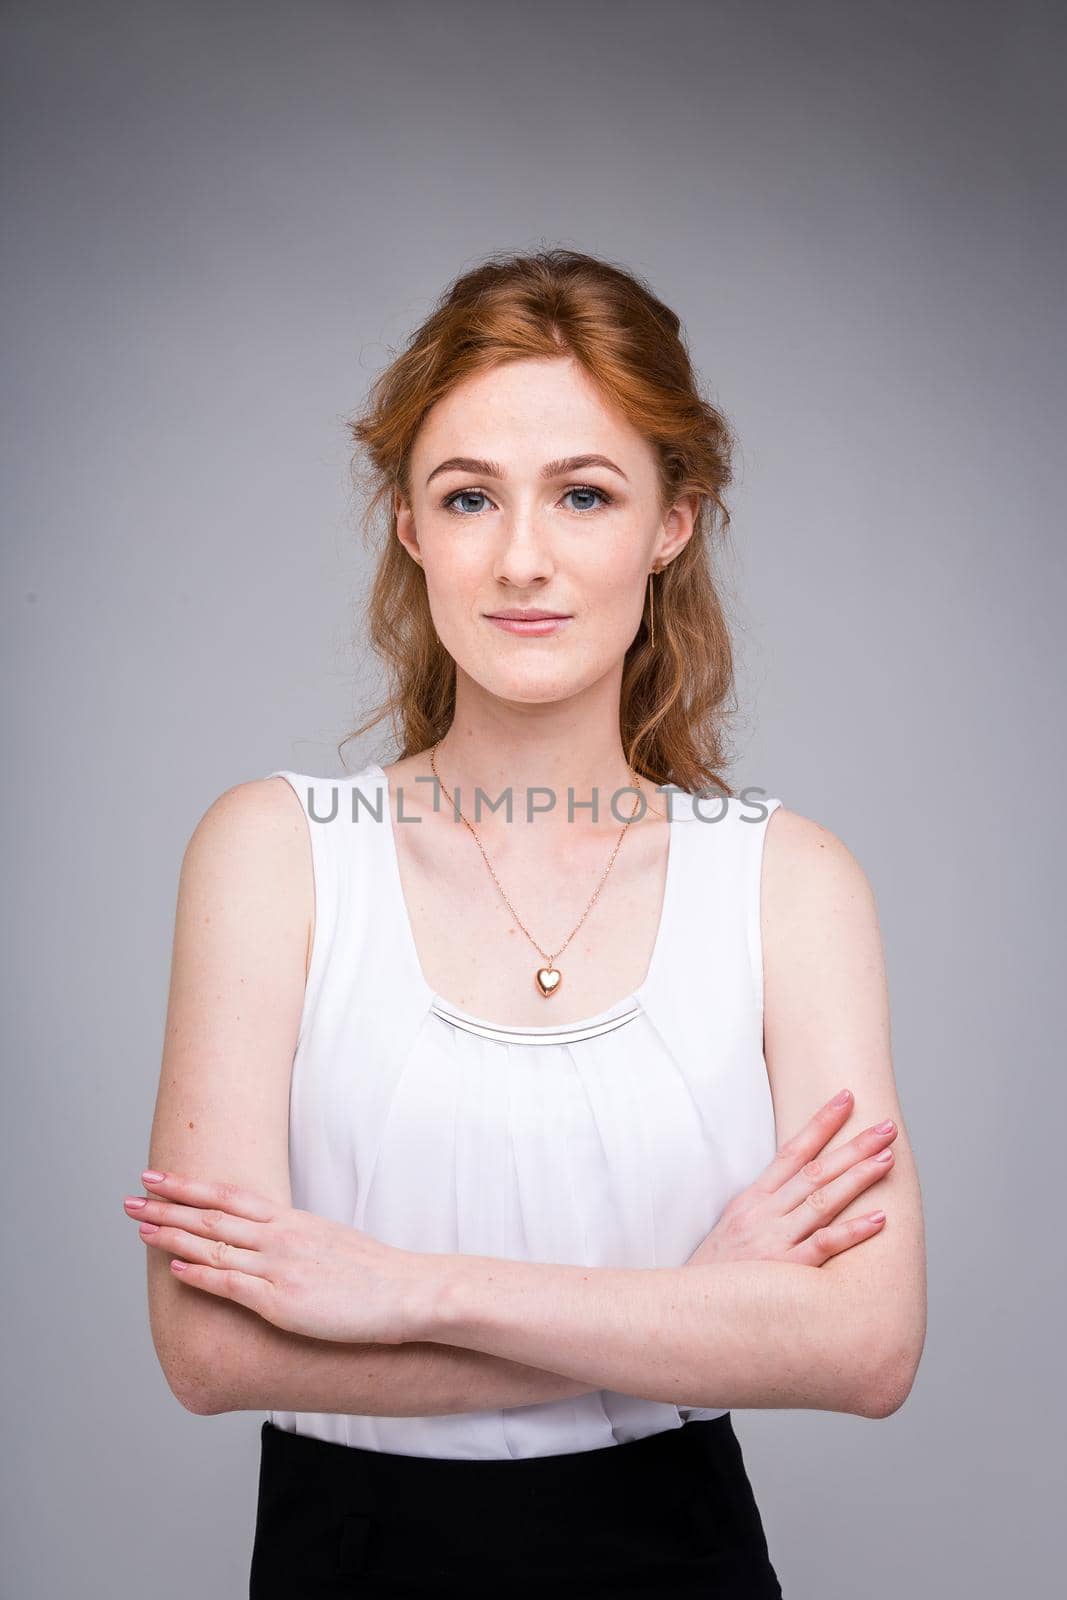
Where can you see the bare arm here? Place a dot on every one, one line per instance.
(843, 1337)
(827, 1026)
(281, 1371)
(242, 941)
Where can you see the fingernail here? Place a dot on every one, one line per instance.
(883, 1155)
(148, 1227)
(883, 1127)
(135, 1201)
(148, 1176)
(842, 1099)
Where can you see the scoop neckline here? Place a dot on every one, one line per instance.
(433, 998)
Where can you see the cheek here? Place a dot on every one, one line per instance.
(453, 587)
(455, 598)
(454, 571)
(616, 603)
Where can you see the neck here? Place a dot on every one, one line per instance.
(529, 749)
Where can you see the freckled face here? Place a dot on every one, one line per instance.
(503, 536)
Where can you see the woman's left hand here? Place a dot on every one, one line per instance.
(297, 1270)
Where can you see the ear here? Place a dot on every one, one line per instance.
(677, 530)
(405, 527)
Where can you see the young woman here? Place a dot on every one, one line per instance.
(504, 1144)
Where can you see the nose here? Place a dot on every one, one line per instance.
(524, 556)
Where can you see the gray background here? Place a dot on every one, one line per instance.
(218, 218)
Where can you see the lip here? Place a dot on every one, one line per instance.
(533, 623)
(524, 614)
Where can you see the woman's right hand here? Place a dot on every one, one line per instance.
(785, 1215)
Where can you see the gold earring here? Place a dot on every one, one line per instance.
(651, 614)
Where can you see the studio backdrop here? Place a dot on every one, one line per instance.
(221, 219)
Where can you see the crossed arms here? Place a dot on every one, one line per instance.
(846, 1336)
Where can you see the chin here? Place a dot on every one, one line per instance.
(529, 691)
(537, 683)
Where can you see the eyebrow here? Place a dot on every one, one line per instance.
(551, 469)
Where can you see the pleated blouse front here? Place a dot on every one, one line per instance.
(612, 1142)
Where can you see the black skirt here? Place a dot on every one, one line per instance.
(670, 1514)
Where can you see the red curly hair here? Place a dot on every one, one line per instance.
(676, 698)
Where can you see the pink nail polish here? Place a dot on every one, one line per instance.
(148, 1227)
(148, 1176)
(135, 1201)
(842, 1099)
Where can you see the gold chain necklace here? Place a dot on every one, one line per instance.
(548, 978)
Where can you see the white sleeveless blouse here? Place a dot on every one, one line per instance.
(613, 1142)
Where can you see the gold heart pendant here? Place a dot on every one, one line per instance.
(548, 980)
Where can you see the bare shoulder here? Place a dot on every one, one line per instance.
(243, 928)
(252, 815)
(799, 844)
(826, 1020)
(252, 845)
(809, 873)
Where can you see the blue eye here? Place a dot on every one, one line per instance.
(462, 494)
(585, 489)
(578, 488)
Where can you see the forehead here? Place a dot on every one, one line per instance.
(526, 412)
